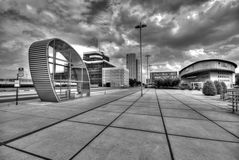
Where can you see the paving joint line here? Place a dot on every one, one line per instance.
(205, 116)
(103, 129)
(65, 119)
(29, 153)
(156, 132)
(165, 129)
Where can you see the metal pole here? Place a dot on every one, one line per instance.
(17, 93)
(141, 59)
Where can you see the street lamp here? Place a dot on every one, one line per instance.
(140, 26)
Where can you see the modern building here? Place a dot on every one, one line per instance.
(95, 61)
(162, 75)
(58, 72)
(115, 77)
(210, 69)
(137, 70)
(131, 65)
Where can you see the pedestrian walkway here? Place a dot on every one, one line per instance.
(163, 124)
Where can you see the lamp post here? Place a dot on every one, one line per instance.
(140, 26)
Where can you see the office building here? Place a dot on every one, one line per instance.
(95, 61)
(132, 65)
(115, 77)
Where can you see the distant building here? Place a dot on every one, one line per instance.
(131, 65)
(137, 70)
(162, 75)
(211, 69)
(115, 77)
(95, 61)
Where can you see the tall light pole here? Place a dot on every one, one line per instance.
(140, 26)
(147, 56)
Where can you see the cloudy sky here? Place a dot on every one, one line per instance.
(178, 32)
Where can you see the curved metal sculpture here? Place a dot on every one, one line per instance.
(58, 72)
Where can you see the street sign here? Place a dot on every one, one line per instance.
(20, 72)
(17, 83)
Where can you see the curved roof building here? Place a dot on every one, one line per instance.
(57, 71)
(213, 69)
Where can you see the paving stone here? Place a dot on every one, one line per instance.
(222, 116)
(97, 117)
(140, 104)
(121, 144)
(197, 149)
(182, 113)
(144, 122)
(197, 128)
(17, 127)
(8, 116)
(60, 141)
(12, 154)
(230, 126)
(112, 108)
(144, 110)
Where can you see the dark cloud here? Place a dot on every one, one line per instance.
(166, 5)
(176, 29)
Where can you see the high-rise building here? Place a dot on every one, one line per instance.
(95, 61)
(131, 65)
(115, 77)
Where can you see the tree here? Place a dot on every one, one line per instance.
(224, 87)
(218, 87)
(237, 78)
(209, 88)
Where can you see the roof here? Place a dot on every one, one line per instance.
(206, 60)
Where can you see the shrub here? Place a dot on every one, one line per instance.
(185, 85)
(224, 87)
(209, 88)
(218, 87)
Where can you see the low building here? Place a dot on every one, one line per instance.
(115, 77)
(211, 69)
(162, 75)
(95, 61)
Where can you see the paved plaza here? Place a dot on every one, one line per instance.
(163, 124)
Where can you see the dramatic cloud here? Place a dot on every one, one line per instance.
(178, 32)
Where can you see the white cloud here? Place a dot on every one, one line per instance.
(196, 52)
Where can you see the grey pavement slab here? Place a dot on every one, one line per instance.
(17, 127)
(61, 141)
(97, 117)
(144, 122)
(121, 144)
(230, 126)
(112, 108)
(198, 149)
(140, 104)
(222, 116)
(12, 154)
(201, 106)
(174, 105)
(123, 103)
(144, 110)
(197, 128)
(182, 113)
(47, 111)
(8, 116)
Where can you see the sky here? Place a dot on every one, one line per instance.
(178, 32)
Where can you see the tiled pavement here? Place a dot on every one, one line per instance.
(163, 124)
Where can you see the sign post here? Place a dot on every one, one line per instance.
(17, 82)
